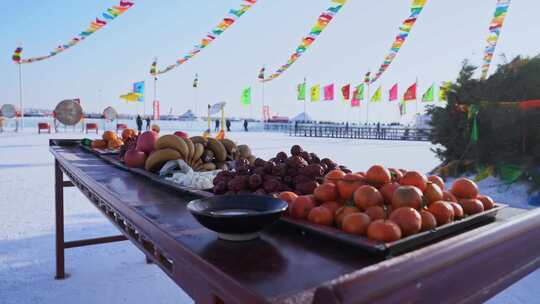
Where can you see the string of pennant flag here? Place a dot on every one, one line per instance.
(358, 93)
(109, 15)
(223, 25)
(322, 22)
(404, 30)
(495, 28)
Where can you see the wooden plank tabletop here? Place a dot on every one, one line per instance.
(284, 265)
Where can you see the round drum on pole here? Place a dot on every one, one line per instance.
(68, 112)
(8, 111)
(110, 113)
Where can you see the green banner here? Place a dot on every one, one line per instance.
(302, 91)
(246, 96)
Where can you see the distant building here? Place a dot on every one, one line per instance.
(422, 121)
(188, 116)
(302, 117)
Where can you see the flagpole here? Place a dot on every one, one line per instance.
(21, 96)
(196, 92)
(251, 108)
(416, 103)
(359, 106)
(367, 101)
(305, 98)
(263, 101)
(196, 100)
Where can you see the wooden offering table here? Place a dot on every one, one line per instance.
(287, 265)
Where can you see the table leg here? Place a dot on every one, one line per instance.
(59, 215)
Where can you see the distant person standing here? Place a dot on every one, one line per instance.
(245, 125)
(228, 124)
(138, 120)
(2, 119)
(147, 123)
(217, 125)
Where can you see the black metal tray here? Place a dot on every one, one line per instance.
(114, 160)
(403, 245)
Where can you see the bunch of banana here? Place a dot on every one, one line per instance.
(218, 152)
(201, 153)
(172, 147)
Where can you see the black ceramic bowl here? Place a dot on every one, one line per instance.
(237, 217)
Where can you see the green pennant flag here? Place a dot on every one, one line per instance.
(474, 131)
(246, 96)
(429, 95)
(360, 92)
(510, 173)
(402, 108)
(301, 91)
(473, 113)
(377, 96)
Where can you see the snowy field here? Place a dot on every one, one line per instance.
(117, 273)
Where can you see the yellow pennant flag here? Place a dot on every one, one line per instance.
(130, 97)
(377, 96)
(315, 93)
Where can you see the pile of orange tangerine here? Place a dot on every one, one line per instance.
(387, 204)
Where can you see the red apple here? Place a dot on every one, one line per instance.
(146, 141)
(135, 158)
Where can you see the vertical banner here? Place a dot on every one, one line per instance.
(156, 110)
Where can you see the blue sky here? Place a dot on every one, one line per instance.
(105, 66)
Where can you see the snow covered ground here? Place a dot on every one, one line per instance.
(117, 273)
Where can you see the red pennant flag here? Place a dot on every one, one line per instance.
(100, 22)
(393, 95)
(355, 102)
(410, 94)
(346, 92)
(329, 92)
(125, 3)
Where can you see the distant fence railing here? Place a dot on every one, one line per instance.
(353, 132)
